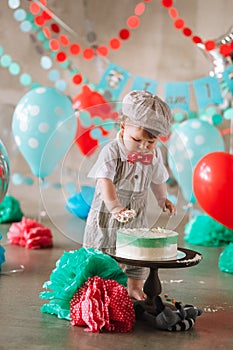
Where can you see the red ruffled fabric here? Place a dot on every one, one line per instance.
(30, 234)
(102, 305)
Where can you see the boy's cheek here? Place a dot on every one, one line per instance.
(129, 145)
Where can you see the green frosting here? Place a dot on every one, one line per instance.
(205, 231)
(10, 210)
(225, 262)
(123, 239)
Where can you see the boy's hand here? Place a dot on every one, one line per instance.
(124, 215)
(170, 206)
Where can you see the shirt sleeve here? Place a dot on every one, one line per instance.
(105, 166)
(160, 173)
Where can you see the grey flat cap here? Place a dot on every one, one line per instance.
(147, 111)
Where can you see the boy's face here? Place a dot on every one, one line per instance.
(137, 139)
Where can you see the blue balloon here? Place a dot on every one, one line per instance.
(79, 203)
(44, 125)
(87, 193)
(189, 142)
(4, 171)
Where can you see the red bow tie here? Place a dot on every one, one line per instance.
(145, 159)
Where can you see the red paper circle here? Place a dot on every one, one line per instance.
(55, 28)
(196, 39)
(225, 49)
(34, 8)
(102, 50)
(133, 22)
(179, 23)
(75, 49)
(187, 31)
(124, 34)
(173, 12)
(115, 43)
(139, 9)
(88, 53)
(64, 40)
(61, 56)
(77, 79)
(47, 32)
(54, 45)
(210, 45)
(167, 3)
(39, 20)
(46, 15)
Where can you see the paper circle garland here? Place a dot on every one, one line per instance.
(88, 53)
(14, 68)
(179, 23)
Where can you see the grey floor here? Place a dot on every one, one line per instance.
(23, 326)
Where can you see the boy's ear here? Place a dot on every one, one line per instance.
(122, 128)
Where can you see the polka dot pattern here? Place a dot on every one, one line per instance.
(44, 125)
(102, 305)
(188, 143)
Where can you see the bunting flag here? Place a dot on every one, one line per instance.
(228, 77)
(140, 83)
(207, 91)
(113, 81)
(177, 95)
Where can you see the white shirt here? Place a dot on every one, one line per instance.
(135, 177)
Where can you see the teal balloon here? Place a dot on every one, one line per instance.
(4, 171)
(44, 125)
(79, 203)
(77, 206)
(189, 142)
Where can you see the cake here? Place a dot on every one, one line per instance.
(154, 244)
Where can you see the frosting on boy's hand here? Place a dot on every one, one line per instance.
(125, 215)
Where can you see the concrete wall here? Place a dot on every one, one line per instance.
(155, 50)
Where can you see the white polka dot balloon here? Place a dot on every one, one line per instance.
(44, 125)
(188, 143)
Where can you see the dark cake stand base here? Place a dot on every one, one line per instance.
(152, 286)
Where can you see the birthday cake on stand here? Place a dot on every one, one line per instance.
(155, 244)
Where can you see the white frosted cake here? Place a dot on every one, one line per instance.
(154, 244)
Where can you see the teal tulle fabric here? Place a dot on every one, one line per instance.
(205, 231)
(225, 262)
(72, 270)
(10, 210)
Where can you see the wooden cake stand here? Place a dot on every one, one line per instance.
(152, 286)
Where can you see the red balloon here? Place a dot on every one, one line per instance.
(213, 188)
(96, 105)
(88, 98)
(84, 141)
